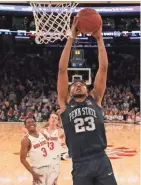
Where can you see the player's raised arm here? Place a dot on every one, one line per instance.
(62, 84)
(101, 76)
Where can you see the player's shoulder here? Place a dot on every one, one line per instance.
(26, 137)
(90, 97)
(43, 134)
(91, 100)
(45, 129)
(60, 132)
(25, 140)
(63, 104)
(60, 129)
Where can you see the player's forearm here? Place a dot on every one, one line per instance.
(64, 60)
(27, 166)
(102, 54)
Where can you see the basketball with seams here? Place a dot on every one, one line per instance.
(89, 20)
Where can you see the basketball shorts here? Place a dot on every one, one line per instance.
(97, 171)
(49, 174)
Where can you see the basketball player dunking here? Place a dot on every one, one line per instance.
(82, 119)
(35, 145)
(55, 136)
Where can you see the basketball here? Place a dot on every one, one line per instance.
(89, 20)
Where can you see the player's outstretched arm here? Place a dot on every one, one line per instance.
(62, 84)
(101, 76)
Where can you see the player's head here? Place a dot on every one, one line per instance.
(53, 119)
(30, 124)
(78, 89)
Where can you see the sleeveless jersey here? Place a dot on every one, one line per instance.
(83, 124)
(54, 143)
(39, 152)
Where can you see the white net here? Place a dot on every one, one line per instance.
(52, 21)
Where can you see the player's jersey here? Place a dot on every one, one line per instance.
(107, 117)
(120, 117)
(138, 119)
(39, 153)
(110, 117)
(83, 124)
(54, 143)
(115, 117)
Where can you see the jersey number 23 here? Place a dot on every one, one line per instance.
(80, 124)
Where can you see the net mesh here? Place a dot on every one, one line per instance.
(52, 21)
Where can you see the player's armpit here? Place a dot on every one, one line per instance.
(99, 85)
(100, 82)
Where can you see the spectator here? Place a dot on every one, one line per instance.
(28, 85)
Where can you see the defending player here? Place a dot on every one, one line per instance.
(35, 145)
(55, 136)
(82, 119)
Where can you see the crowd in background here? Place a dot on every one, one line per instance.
(28, 85)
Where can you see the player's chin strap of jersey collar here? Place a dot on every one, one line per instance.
(78, 96)
(77, 104)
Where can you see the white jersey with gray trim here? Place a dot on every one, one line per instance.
(54, 143)
(39, 154)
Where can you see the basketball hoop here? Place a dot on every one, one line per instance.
(52, 21)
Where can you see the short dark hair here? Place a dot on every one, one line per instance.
(29, 118)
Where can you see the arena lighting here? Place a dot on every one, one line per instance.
(105, 33)
(102, 10)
